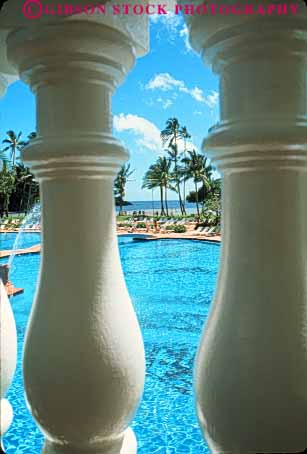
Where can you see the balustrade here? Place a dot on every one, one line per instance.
(84, 357)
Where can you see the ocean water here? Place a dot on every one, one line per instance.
(151, 207)
(171, 283)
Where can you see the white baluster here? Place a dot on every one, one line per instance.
(8, 342)
(84, 355)
(8, 355)
(251, 371)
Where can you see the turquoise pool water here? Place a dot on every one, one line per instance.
(171, 283)
(25, 240)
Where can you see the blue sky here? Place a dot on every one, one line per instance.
(170, 81)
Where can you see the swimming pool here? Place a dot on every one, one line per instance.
(171, 283)
(25, 240)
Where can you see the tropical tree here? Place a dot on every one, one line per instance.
(170, 136)
(159, 176)
(7, 183)
(184, 135)
(192, 170)
(120, 185)
(31, 136)
(26, 190)
(151, 181)
(3, 159)
(213, 206)
(196, 167)
(14, 144)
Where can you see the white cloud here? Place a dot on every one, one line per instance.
(212, 99)
(184, 33)
(166, 103)
(171, 21)
(172, 27)
(147, 134)
(166, 82)
(197, 94)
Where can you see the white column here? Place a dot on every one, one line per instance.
(8, 74)
(84, 356)
(251, 370)
(8, 335)
(8, 355)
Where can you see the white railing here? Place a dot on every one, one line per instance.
(251, 369)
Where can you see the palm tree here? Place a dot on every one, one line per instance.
(170, 136)
(31, 136)
(151, 181)
(26, 187)
(198, 169)
(159, 175)
(3, 159)
(120, 184)
(14, 144)
(206, 174)
(184, 135)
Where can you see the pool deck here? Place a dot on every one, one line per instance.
(31, 250)
(11, 290)
(152, 236)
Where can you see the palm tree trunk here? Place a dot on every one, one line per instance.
(166, 205)
(1, 207)
(177, 179)
(6, 204)
(205, 192)
(161, 198)
(22, 198)
(196, 197)
(14, 156)
(184, 181)
(121, 200)
(29, 198)
(180, 198)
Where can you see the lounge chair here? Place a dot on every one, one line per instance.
(205, 229)
(210, 231)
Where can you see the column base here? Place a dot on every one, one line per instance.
(128, 446)
(130, 443)
(6, 416)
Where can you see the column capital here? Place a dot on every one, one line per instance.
(209, 33)
(73, 63)
(8, 74)
(73, 66)
(15, 15)
(261, 64)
